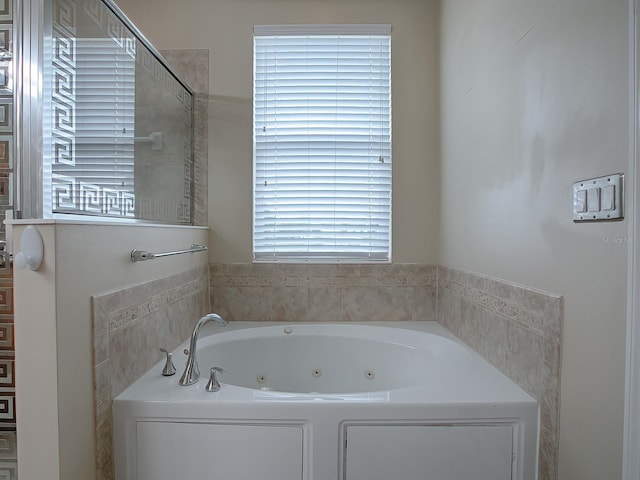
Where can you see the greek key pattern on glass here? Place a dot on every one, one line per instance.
(152, 208)
(63, 82)
(73, 196)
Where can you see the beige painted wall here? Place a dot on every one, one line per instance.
(225, 28)
(534, 97)
(53, 333)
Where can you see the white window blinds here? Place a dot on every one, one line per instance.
(322, 143)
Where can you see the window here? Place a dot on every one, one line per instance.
(322, 143)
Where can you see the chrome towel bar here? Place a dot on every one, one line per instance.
(142, 255)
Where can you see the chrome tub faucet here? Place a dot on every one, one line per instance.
(191, 371)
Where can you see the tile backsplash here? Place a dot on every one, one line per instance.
(318, 293)
(129, 326)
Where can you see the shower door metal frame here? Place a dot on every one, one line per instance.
(29, 111)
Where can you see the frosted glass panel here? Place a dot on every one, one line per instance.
(117, 123)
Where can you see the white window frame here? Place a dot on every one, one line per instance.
(359, 243)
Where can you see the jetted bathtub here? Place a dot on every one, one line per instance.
(348, 401)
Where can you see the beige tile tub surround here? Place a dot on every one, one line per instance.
(318, 293)
(519, 331)
(129, 325)
(515, 328)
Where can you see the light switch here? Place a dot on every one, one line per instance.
(607, 198)
(598, 199)
(580, 201)
(593, 199)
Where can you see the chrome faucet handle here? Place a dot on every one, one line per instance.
(214, 385)
(169, 368)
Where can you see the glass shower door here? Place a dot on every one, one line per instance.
(108, 124)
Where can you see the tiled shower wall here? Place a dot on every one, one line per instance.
(193, 66)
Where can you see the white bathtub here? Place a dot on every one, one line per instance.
(379, 401)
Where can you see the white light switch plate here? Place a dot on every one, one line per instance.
(598, 199)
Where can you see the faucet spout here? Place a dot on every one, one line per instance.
(191, 370)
